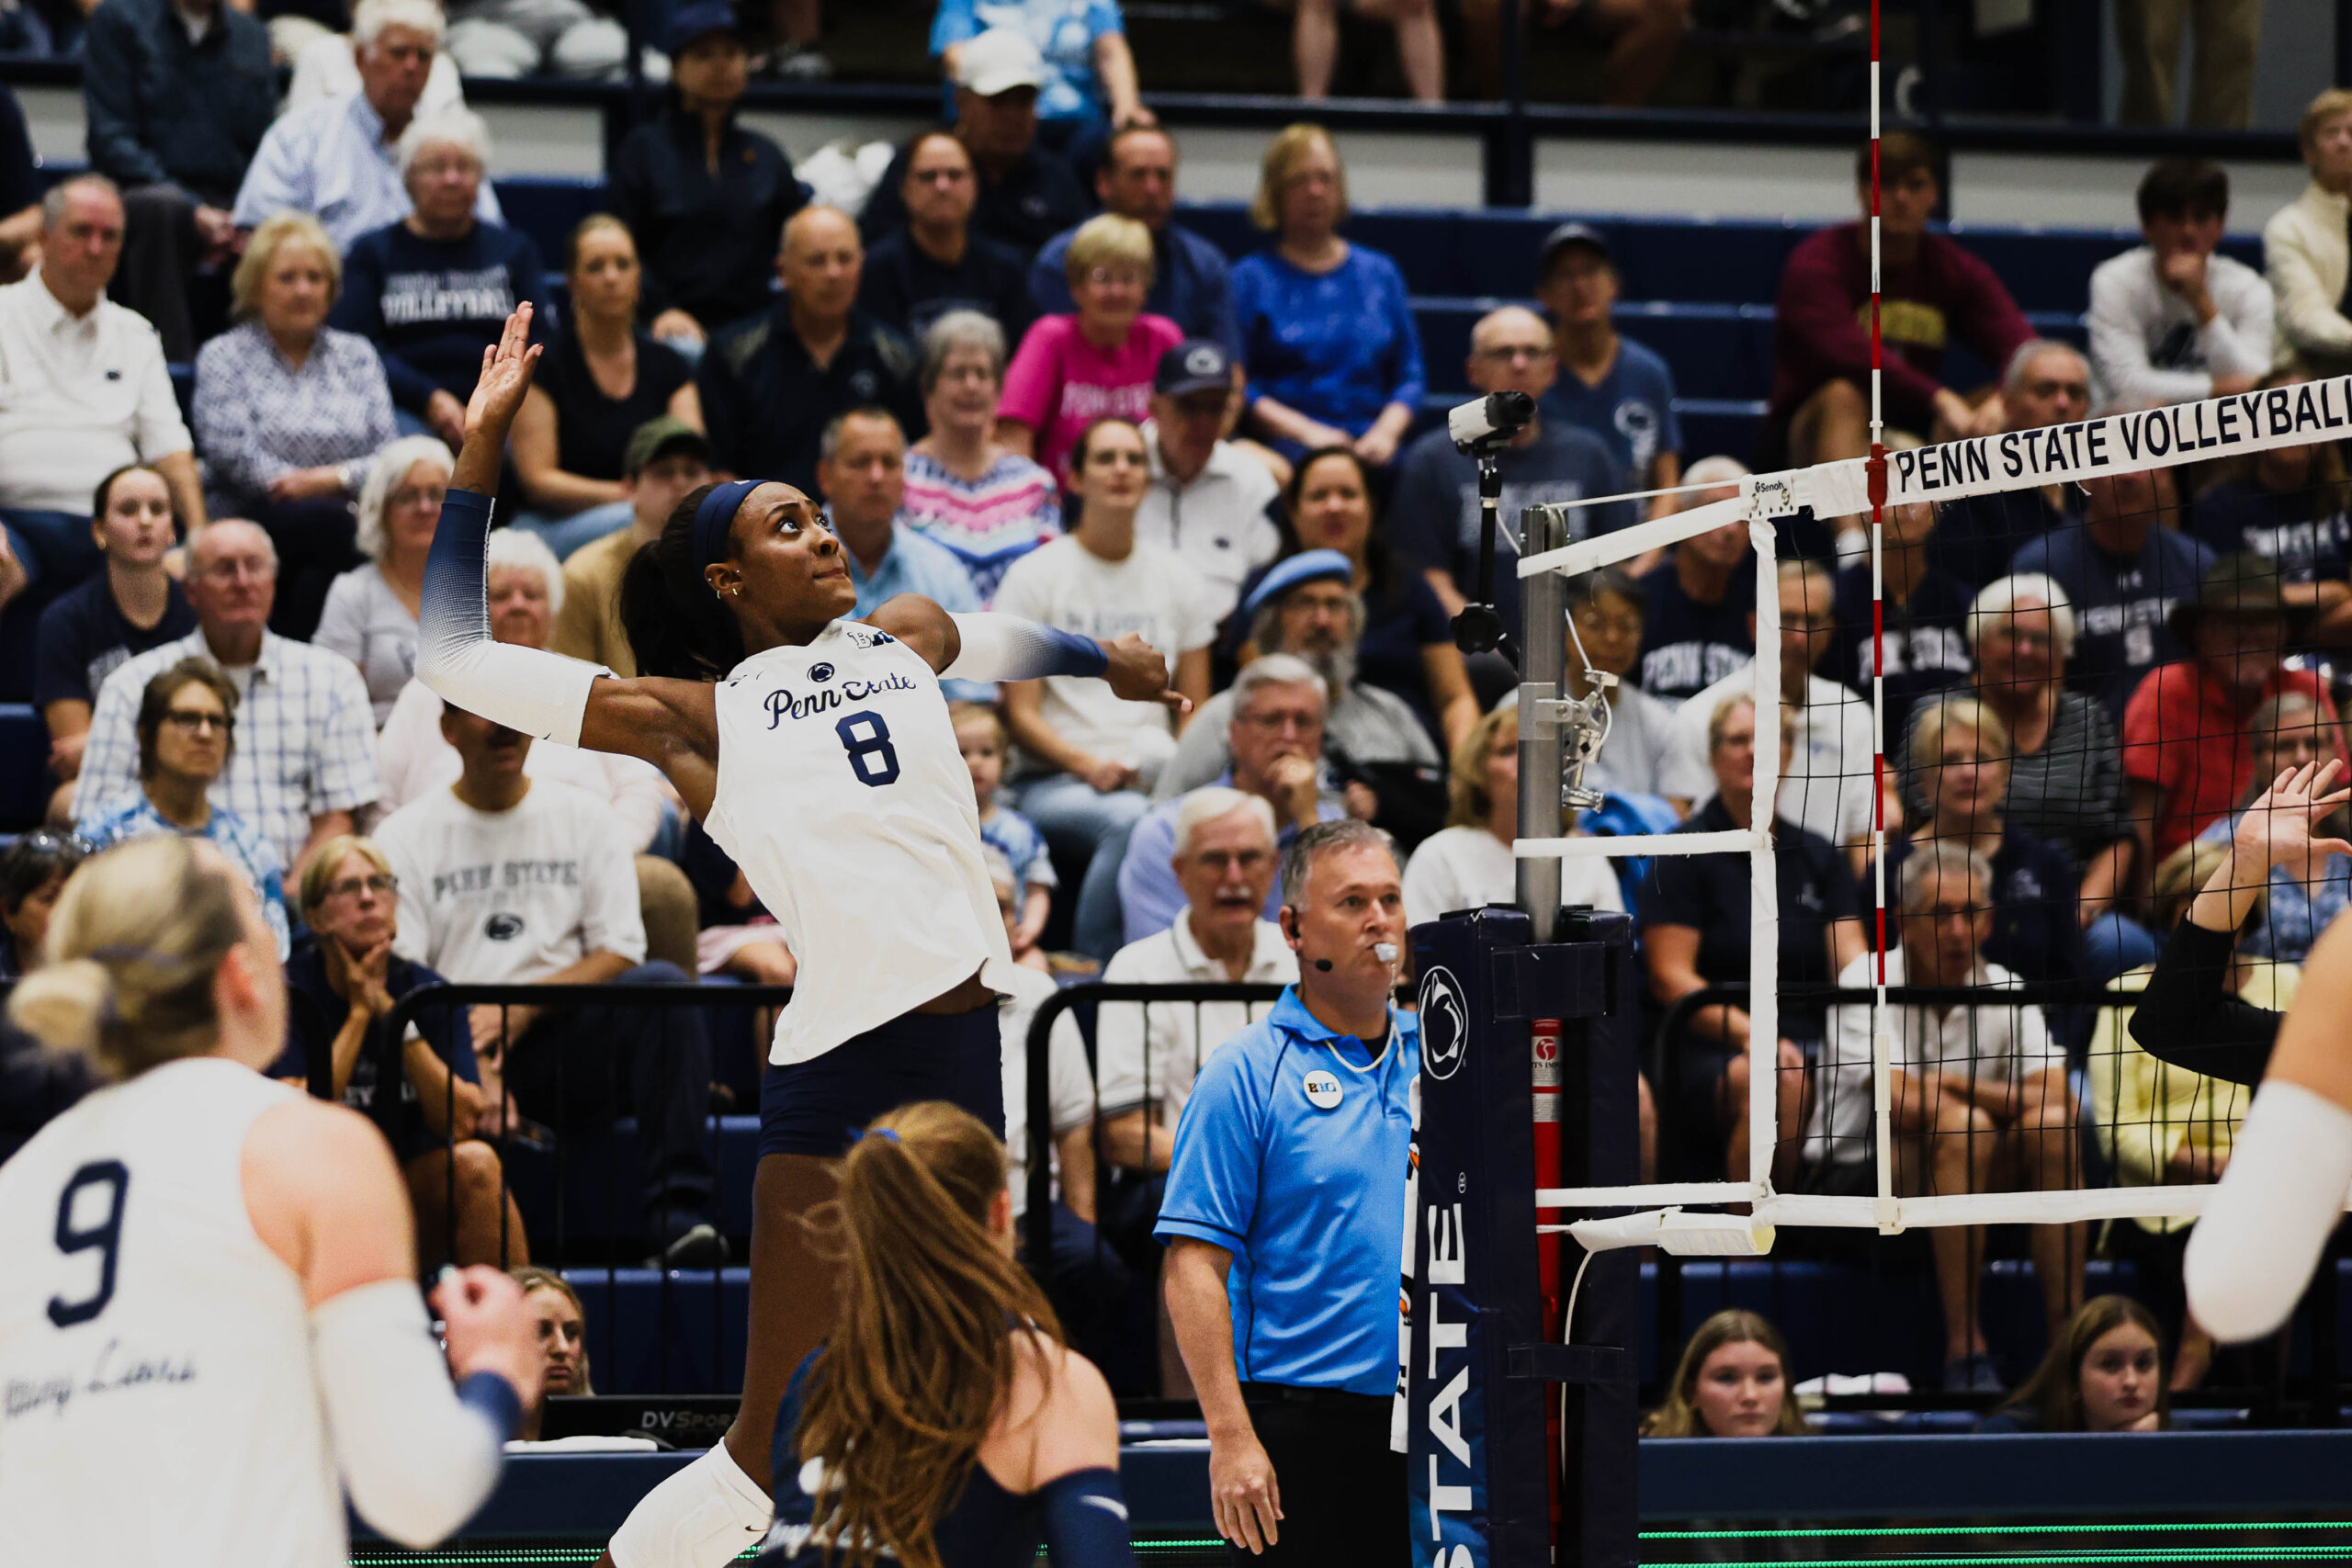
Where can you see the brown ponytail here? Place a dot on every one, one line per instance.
(923, 1359)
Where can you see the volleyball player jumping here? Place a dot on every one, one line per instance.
(818, 752)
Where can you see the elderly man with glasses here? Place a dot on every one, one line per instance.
(305, 759)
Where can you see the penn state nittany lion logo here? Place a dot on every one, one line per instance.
(820, 671)
(504, 926)
(1204, 361)
(1445, 1023)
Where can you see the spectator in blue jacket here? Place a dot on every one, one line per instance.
(1192, 284)
(177, 97)
(435, 289)
(704, 197)
(1327, 332)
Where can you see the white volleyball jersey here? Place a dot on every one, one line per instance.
(157, 1402)
(844, 800)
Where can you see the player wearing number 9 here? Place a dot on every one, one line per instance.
(816, 750)
(210, 1327)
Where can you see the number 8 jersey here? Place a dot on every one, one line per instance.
(157, 1403)
(844, 798)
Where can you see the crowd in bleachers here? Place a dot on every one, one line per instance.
(1015, 388)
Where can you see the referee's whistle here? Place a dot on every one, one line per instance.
(1385, 950)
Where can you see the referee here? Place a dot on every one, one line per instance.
(1283, 1219)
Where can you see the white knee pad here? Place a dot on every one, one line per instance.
(703, 1516)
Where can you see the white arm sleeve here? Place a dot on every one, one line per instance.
(995, 647)
(538, 692)
(416, 1462)
(2251, 1255)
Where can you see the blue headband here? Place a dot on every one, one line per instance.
(714, 517)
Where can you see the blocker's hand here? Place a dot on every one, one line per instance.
(1244, 1493)
(1139, 673)
(506, 368)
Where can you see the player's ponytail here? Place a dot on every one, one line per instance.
(132, 947)
(676, 626)
(923, 1360)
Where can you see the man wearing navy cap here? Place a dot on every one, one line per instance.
(1613, 386)
(1208, 498)
(1282, 1217)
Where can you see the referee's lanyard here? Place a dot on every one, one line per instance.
(1380, 1064)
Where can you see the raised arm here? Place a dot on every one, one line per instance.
(2187, 1016)
(988, 647)
(671, 723)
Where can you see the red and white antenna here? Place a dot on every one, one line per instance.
(1874, 470)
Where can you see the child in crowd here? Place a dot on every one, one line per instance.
(2106, 1374)
(1733, 1382)
(980, 734)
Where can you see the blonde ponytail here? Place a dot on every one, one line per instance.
(133, 943)
(61, 1004)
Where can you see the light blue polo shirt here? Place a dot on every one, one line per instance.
(1292, 1153)
(915, 564)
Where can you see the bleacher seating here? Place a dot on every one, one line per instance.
(1698, 290)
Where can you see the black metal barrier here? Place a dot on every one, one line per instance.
(681, 1330)
(1254, 998)
(2296, 1376)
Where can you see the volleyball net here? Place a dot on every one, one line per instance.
(2010, 697)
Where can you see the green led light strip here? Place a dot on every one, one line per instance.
(2022, 1529)
(2216, 1554)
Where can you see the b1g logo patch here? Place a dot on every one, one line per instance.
(1322, 1090)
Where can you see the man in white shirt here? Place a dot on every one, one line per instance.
(1979, 1097)
(2172, 321)
(506, 879)
(525, 594)
(337, 160)
(1827, 787)
(83, 391)
(1145, 1057)
(305, 758)
(1208, 498)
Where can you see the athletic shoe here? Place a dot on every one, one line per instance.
(699, 1246)
(1971, 1374)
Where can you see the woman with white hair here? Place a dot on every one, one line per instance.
(288, 410)
(966, 489)
(2066, 768)
(370, 615)
(434, 289)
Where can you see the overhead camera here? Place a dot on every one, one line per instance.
(1484, 426)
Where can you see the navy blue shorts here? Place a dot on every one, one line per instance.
(812, 1107)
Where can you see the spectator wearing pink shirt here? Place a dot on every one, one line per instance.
(1097, 364)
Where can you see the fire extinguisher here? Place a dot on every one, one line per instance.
(1545, 1038)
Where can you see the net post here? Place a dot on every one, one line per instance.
(1542, 651)
(1764, 896)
